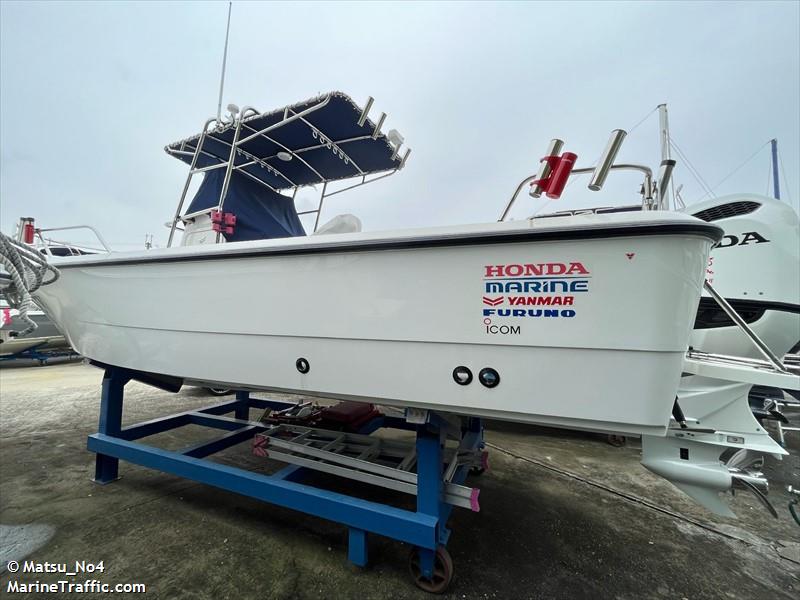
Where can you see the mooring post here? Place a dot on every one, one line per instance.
(113, 389)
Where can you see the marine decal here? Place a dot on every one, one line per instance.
(531, 290)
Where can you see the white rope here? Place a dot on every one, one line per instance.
(27, 270)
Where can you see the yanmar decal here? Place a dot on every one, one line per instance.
(511, 290)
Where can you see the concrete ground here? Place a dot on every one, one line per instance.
(563, 515)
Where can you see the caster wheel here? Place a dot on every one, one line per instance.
(483, 467)
(219, 391)
(442, 571)
(618, 441)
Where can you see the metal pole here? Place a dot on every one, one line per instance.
(224, 62)
(514, 197)
(664, 177)
(197, 151)
(231, 160)
(319, 208)
(362, 119)
(663, 130)
(607, 160)
(734, 316)
(775, 185)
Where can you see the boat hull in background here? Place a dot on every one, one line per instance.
(586, 319)
(46, 336)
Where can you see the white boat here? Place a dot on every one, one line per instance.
(34, 334)
(534, 321)
(714, 442)
(46, 336)
(392, 316)
(579, 319)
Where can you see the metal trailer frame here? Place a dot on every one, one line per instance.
(425, 528)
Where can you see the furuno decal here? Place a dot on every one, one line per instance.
(529, 312)
(531, 290)
(743, 239)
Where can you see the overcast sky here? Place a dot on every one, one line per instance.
(91, 92)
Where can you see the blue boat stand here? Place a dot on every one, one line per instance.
(425, 529)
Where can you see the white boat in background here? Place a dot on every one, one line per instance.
(45, 337)
(756, 267)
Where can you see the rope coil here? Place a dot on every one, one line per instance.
(27, 270)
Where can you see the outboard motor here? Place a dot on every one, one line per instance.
(756, 267)
(719, 444)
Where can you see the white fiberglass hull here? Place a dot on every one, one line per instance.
(585, 319)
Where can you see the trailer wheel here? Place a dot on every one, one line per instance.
(442, 571)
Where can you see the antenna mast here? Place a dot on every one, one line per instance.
(663, 129)
(224, 62)
(775, 183)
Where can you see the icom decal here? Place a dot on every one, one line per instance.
(531, 290)
(493, 329)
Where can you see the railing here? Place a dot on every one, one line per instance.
(49, 242)
(653, 196)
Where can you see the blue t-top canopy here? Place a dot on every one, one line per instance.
(315, 141)
(260, 212)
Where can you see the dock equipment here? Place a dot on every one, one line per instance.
(433, 467)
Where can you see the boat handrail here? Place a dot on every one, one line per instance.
(646, 186)
(99, 237)
(191, 216)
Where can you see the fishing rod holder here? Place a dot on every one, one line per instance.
(544, 168)
(555, 169)
(601, 171)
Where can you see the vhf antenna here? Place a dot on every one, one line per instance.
(224, 61)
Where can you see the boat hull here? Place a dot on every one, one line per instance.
(585, 330)
(46, 336)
